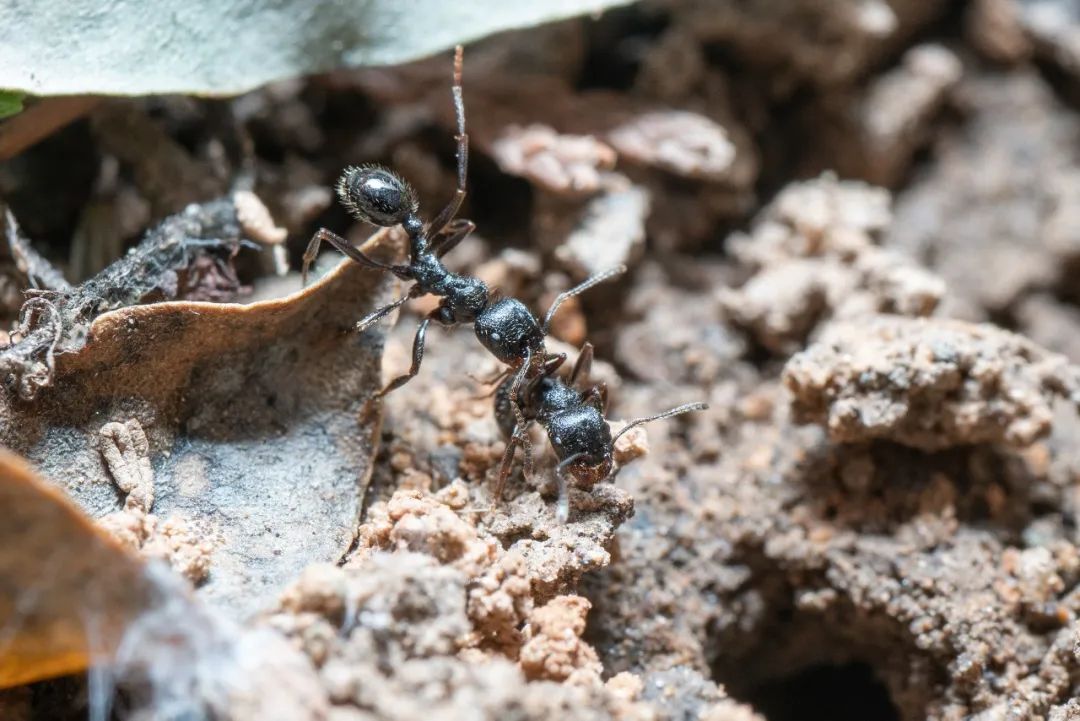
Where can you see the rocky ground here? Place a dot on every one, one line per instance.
(853, 228)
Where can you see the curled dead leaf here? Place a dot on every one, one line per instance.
(67, 589)
(252, 415)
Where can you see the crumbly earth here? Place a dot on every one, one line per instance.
(816, 256)
(928, 383)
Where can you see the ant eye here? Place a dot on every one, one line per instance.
(377, 196)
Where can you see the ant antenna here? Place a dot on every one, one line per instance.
(459, 113)
(685, 408)
(577, 290)
(440, 222)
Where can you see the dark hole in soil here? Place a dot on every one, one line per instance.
(849, 692)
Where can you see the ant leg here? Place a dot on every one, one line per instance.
(447, 214)
(322, 234)
(548, 367)
(495, 381)
(520, 435)
(417, 357)
(445, 217)
(505, 465)
(497, 377)
(454, 232)
(528, 470)
(582, 365)
(375, 316)
(578, 290)
(552, 362)
(486, 394)
(519, 414)
(597, 396)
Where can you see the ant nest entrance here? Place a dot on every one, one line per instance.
(823, 692)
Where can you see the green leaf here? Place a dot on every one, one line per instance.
(11, 103)
(224, 47)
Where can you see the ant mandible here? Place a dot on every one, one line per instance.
(574, 420)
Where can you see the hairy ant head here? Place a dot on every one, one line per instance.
(581, 436)
(582, 440)
(376, 195)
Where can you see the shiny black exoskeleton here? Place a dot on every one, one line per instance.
(504, 326)
(572, 414)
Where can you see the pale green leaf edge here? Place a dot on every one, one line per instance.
(11, 103)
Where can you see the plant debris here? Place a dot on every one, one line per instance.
(176, 260)
(67, 590)
(850, 227)
(202, 382)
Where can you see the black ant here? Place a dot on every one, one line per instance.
(572, 413)
(504, 326)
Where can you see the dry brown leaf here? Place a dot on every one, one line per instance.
(67, 590)
(253, 415)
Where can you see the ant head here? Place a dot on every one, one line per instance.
(376, 195)
(582, 437)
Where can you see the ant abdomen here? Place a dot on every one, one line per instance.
(509, 332)
(376, 195)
